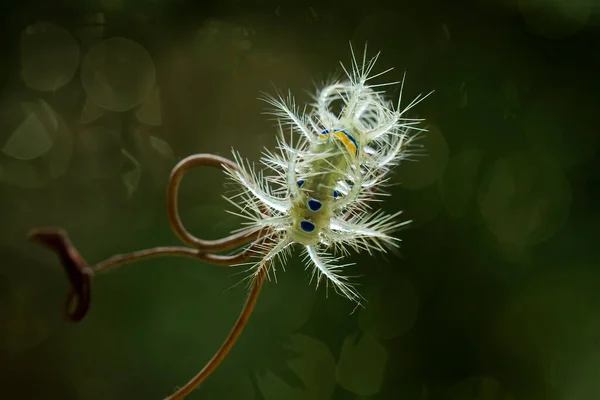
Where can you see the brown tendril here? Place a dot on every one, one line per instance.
(76, 268)
(230, 340)
(182, 233)
(79, 273)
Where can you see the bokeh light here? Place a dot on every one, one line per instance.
(90, 112)
(315, 367)
(556, 19)
(524, 199)
(161, 147)
(362, 365)
(31, 139)
(49, 56)
(118, 74)
(35, 140)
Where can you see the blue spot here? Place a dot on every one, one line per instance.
(323, 134)
(314, 205)
(336, 194)
(300, 182)
(307, 226)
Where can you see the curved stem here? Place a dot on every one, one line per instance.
(76, 268)
(161, 251)
(227, 243)
(229, 341)
(80, 274)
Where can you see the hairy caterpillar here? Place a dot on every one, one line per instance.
(325, 178)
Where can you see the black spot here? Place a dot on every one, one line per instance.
(307, 226)
(300, 182)
(314, 205)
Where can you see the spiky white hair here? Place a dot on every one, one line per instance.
(382, 132)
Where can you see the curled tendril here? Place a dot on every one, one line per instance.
(76, 268)
(80, 274)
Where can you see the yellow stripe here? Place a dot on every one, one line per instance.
(348, 143)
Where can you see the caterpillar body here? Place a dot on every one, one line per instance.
(327, 173)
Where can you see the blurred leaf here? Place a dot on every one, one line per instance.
(131, 179)
(362, 365)
(90, 112)
(162, 147)
(315, 366)
(237, 386)
(30, 140)
(273, 387)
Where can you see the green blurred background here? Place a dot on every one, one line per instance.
(494, 294)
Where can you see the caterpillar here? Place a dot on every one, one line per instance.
(327, 173)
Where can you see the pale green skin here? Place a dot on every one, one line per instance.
(320, 188)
